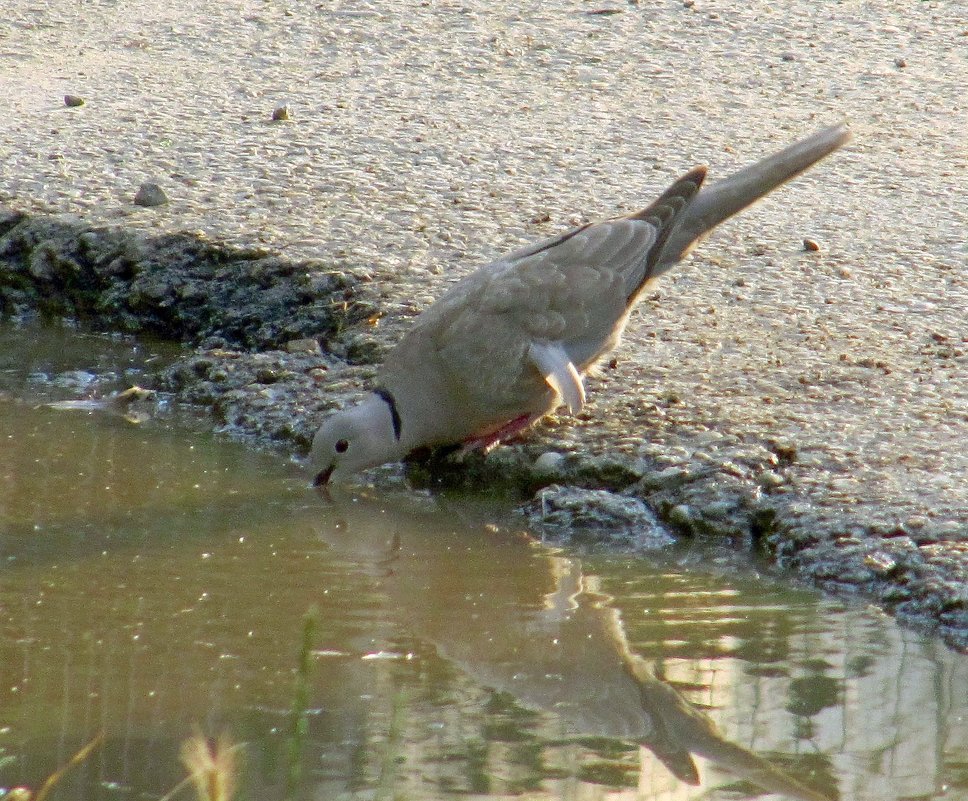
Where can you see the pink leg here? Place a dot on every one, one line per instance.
(485, 442)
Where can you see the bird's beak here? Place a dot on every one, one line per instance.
(322, 477)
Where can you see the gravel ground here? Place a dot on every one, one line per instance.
(814, 403)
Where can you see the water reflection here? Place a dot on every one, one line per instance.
(522, 620)
(151, 580)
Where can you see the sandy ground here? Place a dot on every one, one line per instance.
(425, 139)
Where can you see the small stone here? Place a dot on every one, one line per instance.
(305, 345)
(900, 63)
(667, 479)
(811, 245)
(688, 3)
(880, 562)
(788, 57)
(681, 516)
(769, 479)
(915, 522)
(548, 463)
(280, 114)
(73, 101)
(596, 516)
(150, 194)
(844, 272)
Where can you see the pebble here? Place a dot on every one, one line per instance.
(596, 516)
(769, 478)
(681, 516)
(150, 194)
(811, 245)
(548, 463)
(73, 101)
(880, 562)
(305, 345)
(667, 479)
(281, 113)
(731, 468)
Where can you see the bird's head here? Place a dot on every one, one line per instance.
(355, 439)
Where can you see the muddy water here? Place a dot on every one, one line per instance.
(154, 579)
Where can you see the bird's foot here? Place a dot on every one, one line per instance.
(489, 441)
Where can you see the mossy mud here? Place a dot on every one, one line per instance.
(277, 343)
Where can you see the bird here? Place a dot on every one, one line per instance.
(510, 343)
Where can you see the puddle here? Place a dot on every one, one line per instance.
(154, 581)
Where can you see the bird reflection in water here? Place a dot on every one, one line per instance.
(525, 620)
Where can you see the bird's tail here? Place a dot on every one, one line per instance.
(717, 202)
(663, 215)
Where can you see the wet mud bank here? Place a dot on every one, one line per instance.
(276, 343)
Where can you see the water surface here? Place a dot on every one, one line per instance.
(155, 580)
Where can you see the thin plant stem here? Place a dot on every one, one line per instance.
(299, 724)
(392, 755)
(58, 774)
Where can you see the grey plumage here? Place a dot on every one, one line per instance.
(509, 343)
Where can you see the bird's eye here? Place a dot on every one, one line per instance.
(342, 445)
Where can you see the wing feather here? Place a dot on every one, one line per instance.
(568, 296)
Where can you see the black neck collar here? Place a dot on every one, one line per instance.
(387, 396)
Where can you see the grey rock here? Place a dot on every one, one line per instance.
(150, 194)
(590, 516)
(303, 345)
(549, 463)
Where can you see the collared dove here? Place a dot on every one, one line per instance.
(510, 343)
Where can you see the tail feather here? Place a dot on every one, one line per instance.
(722, 200)
(663, 215)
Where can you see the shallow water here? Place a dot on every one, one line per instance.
(155, 580)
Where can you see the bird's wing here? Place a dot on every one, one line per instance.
(513, 337)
